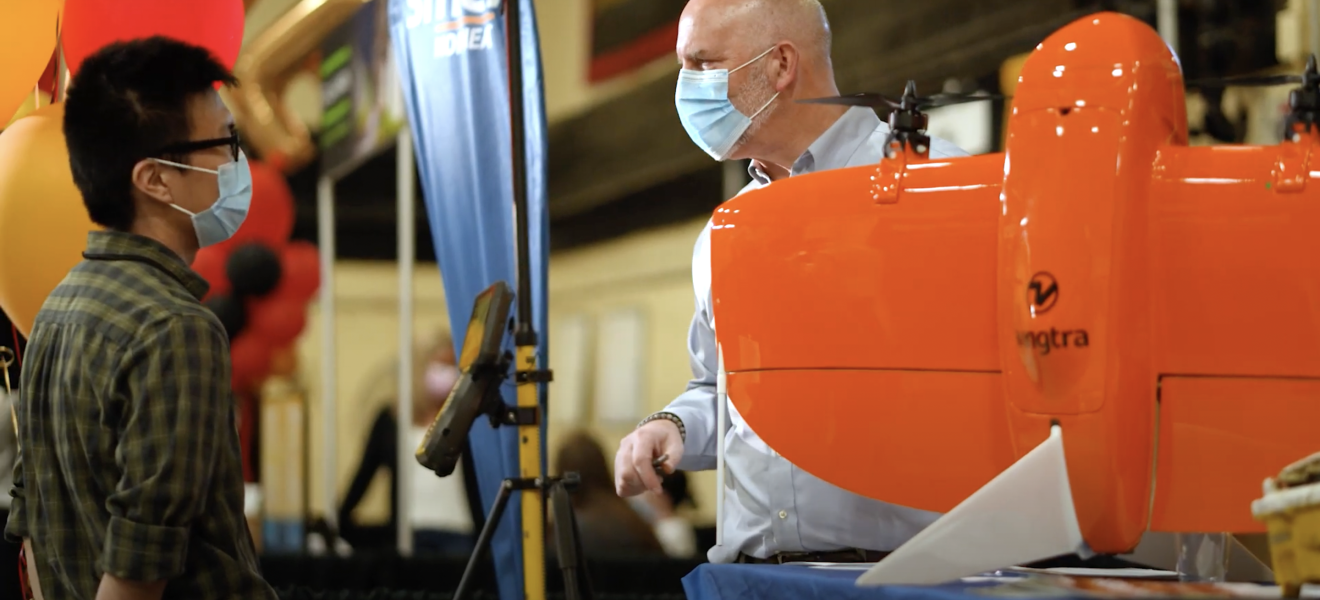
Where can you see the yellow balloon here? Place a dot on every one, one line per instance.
(43, 223)
(28, 32)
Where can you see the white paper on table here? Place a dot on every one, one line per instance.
(1023, 515)
(1131, 573)
(840, 566)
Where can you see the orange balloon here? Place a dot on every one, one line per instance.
(28, 32)
(43, 224)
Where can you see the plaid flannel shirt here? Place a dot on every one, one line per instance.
(128, 449)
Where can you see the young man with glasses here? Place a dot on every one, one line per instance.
(128, 482)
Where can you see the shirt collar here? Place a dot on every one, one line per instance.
(834, 148)
(120, 245)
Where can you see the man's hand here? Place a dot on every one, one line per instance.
(633, 471)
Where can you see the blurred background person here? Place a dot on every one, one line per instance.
(441, 515)
(608, 527)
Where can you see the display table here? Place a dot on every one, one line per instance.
(838, 582)
(745, 582)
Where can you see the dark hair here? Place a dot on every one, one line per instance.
(128, 101)
(580, 453)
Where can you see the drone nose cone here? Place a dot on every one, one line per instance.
(1098, 61)
(1103, 39)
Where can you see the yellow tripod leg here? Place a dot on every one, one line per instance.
(529, 461)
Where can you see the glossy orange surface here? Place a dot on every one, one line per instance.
(1216, 436)
(929, 319)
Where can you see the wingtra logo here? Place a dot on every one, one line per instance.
(461, 26)
(1042, 295)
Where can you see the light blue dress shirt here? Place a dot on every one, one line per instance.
(771, 506)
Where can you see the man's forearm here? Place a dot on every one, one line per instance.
(114, 588)
(697, 409)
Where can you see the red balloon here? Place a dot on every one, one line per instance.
(249, 356)
(300, 272)
(276, 320)
(210, 264)
(90, 25)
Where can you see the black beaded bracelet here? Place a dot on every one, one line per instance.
(672, 418)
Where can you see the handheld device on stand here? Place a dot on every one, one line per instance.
(485, 366)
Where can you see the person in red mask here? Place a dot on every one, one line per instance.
(441, 510)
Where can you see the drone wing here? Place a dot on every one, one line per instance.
(848, 326)
(1237, 327)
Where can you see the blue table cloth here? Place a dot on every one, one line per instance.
(794, 582)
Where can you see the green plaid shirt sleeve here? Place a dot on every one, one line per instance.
(174, 417)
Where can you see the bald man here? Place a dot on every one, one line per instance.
(745, 63)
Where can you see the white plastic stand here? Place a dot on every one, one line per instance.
(722, 410)
(1159, 550)
(1024, 515)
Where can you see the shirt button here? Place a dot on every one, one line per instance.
(783, 514)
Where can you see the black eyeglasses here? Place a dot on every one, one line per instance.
(190, 147)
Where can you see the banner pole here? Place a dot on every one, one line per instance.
(525, 337)
(325, 225)
(407, 233)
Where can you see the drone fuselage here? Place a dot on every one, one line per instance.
(1160, 302)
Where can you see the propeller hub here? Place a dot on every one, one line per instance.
(908, 121)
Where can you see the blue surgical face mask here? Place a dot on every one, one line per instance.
(218, 223)
(707, 114)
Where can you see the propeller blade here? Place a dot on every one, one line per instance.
(1246, 81)
(866, 99)
(910, 91)
(940, 100)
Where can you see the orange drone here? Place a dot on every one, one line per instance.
(909, 330)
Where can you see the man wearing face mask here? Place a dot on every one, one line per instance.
(745, 64)
(441, 510)
(128, 483)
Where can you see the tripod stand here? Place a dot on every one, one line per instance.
(577, 584)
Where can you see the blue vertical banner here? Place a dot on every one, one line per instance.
(453, 69)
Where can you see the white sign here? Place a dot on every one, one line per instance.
(620, 367)
(570, 359)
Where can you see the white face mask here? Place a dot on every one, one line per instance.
(711, 120)
(219, 222)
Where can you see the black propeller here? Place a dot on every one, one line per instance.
(1310, 77)
(1245, 81)
(907, 122)
(1303, 102)
(908, 101)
